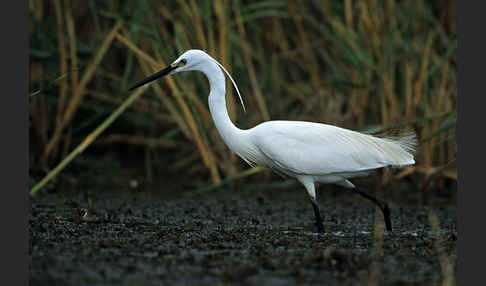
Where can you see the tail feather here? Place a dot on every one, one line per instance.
(404, 143)
(405, 139)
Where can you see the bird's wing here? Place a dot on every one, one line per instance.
(317, 149)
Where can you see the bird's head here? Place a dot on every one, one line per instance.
(189, 61)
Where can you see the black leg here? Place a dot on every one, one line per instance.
(381, 204)
(317, 213)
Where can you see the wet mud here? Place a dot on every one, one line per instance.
(237, 237)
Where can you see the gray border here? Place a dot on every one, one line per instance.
(14, 117)
(470, 117)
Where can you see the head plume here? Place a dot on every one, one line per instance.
(232, 81)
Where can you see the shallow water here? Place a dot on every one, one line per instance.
(233, 237)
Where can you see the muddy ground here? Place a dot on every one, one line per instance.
(234, 237)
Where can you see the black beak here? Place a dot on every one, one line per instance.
(155, 76)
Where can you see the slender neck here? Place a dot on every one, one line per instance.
(217, 104)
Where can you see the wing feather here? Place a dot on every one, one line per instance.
(316, 149)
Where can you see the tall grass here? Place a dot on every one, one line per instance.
(364, 65)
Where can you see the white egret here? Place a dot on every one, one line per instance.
(310, 152)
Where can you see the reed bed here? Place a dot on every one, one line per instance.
(364, 65)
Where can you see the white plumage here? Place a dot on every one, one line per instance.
(308, 148)
(310, 152)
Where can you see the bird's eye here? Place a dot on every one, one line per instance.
(182, 62)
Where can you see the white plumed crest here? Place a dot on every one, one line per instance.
(406, 139)
(232, 81)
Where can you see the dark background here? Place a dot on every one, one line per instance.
(363, 65)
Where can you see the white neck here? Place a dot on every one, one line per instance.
(217, 105)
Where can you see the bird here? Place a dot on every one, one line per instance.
(310, 152)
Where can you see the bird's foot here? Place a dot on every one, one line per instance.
(386, 214)
(320, 227)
